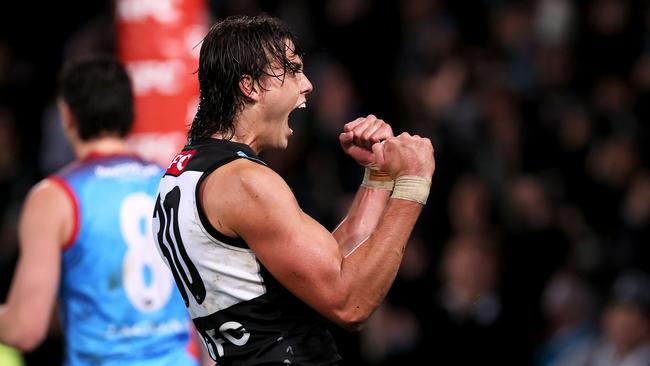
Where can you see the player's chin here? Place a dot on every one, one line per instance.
(285, 142)
(284, 139)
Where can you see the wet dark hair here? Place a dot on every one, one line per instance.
(234, 47)
(98, 92)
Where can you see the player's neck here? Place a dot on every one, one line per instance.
(101, 146)
(246, 131)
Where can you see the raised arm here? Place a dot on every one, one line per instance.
(258, 206)
(45, 223)
(370, 200)
(362, 218)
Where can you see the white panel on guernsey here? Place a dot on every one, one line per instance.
(229, 274)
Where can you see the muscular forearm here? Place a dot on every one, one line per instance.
(371, 269)
(362, 218)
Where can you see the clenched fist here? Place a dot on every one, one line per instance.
(360, 135)
(405, 155)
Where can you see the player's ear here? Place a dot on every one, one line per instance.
(249, 88)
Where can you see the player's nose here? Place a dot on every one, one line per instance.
(305, 85)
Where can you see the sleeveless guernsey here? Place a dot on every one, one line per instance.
(243, 314)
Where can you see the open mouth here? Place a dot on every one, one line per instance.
(299, 106)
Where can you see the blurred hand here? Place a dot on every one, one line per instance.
(405, 155)
(360, 135)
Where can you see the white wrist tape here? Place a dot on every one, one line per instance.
(412, 188)
(377, 179)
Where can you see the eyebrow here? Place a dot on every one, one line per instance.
(297, 65)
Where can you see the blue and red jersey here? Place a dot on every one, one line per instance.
(119, 305)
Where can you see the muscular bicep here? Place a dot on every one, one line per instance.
(299, 252)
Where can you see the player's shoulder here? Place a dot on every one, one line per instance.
(51, 188)
(248, 197)
(246, 179)
(51, 198)
(249, 174)
(250, 171)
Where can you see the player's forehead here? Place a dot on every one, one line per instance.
(290, 55)
(290, 51)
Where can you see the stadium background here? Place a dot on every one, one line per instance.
(538, 111)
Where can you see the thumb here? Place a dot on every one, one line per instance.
(378, 153)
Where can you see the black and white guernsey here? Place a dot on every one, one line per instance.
(243, 314)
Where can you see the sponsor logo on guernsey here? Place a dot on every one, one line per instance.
(179, 162)
(144, 329)
(127, 170)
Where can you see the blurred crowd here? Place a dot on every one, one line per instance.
(534, 248)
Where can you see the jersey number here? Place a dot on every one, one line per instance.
(147, 283)
(172, 248)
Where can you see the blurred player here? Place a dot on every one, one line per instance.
(85, 232)
(260, 277)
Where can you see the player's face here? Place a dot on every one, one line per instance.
(284, 92)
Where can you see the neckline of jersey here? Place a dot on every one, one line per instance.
(208, 140)
(93, 155)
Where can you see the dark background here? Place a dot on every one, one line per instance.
(538, 111)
